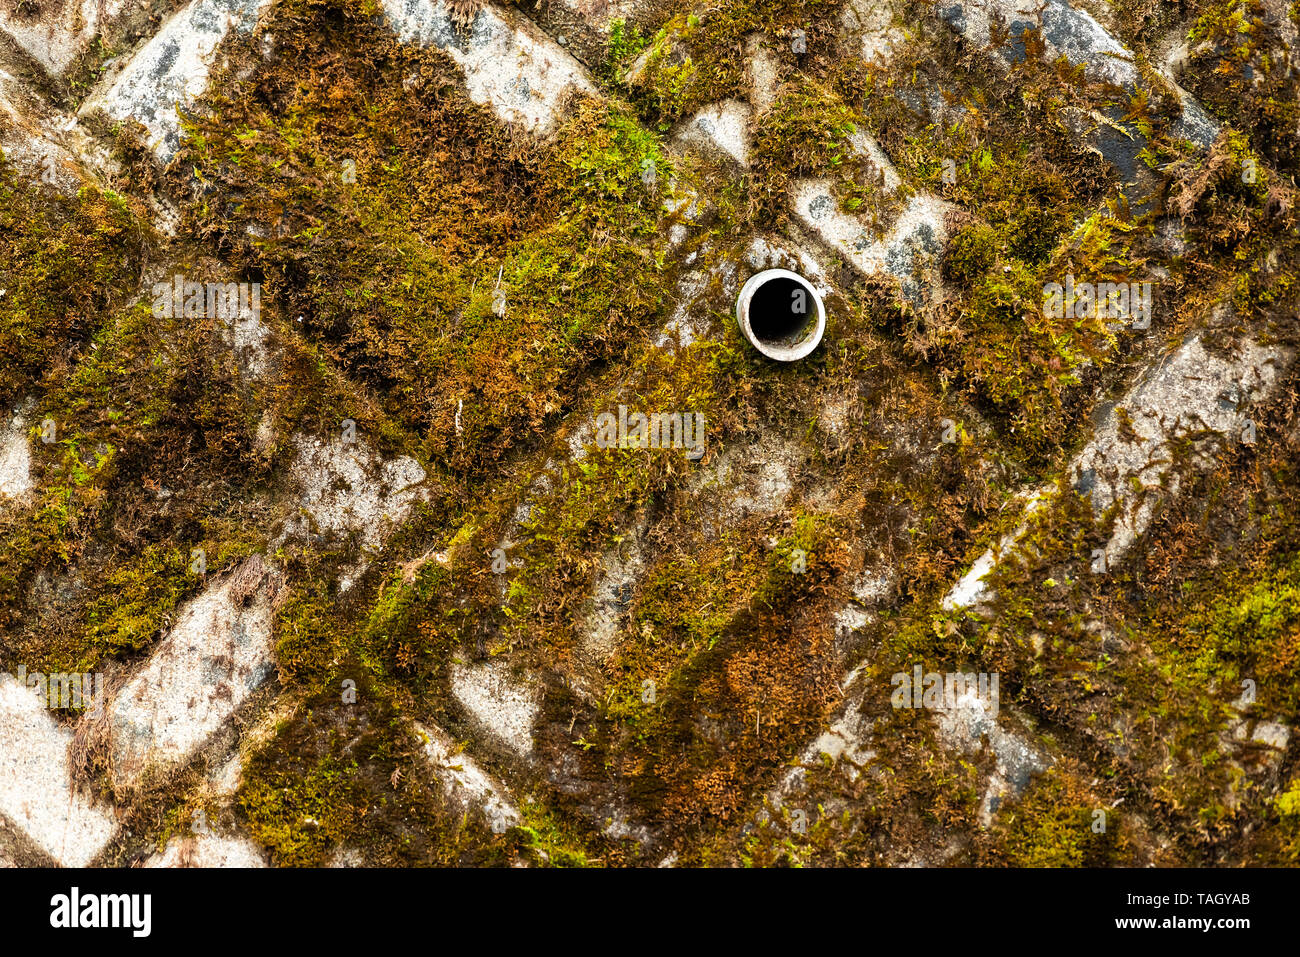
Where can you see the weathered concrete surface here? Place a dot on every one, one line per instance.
(685, 325)
(748, 480)
(208, 850)
(172, 69)
(972, 590)
(465, 784)
(217, 654)
(36, 783)
(871, 589)
(501, 705)
(600, 12)
(44, 143)
(1194, 393)
(762, 74)
(1074, 34)
(58, 35)
(908, 251)
(339, 495)
(771, 252)
(906, 247)
(15, 461)
(344, 488)
(871, 23)
(846, 744)
(971, 726)
(507, 62)
(620, 569)
(722, 126)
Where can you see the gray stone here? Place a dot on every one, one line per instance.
(216, 655)
(37, 792)
(208, 850)
(172, 69)
(465, 784)
(15, 461)
(505, 708)
(508, 64)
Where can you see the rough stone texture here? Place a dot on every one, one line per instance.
(972, 590)
(43, 141)
(909, 251)
(15, 460)
(1073, 34)
(756, 480)
(847, 738)
(505, 708)
(343, 488)
(508, 64)
(871, 22)
(465, 783)
(763, 76)
(1196, 393)
(55, 40)
(225, 780)
(172, 69)
(619, 571)
(600, 12)
(207, 850)
(969, 727)
(681, 327)
(864, 409)
(723, 126)
(769, 252)
(216, 655)
(1192, 393)
(36, 785)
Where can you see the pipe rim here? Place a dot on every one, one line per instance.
(773, 350)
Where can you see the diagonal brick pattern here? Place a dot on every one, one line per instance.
(370, 619)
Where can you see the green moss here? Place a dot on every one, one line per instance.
(1238, 68)
(808, 131)
(472, 289)
(722, 637)
(153, 398)
(64, 262)
(351, 775)
(625, 44)
(1252, 630)
(138, 597)
(1054, 824)
(1288, 803)
(505, 267)
(696, 59)
(545, 838)
(1023, 198)
(671, 82)
(971, 253)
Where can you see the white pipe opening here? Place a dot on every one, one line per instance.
(781, 314)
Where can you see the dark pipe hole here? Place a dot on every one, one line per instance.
(780, 310)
